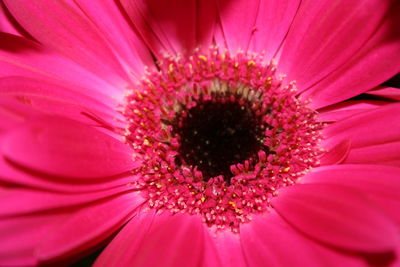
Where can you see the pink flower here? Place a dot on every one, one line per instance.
(210, 157)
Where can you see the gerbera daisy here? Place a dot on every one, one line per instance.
(199, 133)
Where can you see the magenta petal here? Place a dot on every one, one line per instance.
(265, 243)
(381, 183)
(13, 113)
(370, 128)
(63, 147)
(383, 154)
(36, 61)
(386, 92)
(230, 249)
(337, 215)
(273, 22)
(27, 201)
(374, 179)
(11, 174)
(65, 29)
(343, 110)
(206, 19)
(57, 99)
(166, 26)
(331, 50)
(7, 23)
(157, 240)
(88, 227)
(238, 17)
(117, 31)
(21, 235)
(336, 154)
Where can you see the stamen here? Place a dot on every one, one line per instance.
(218, 135)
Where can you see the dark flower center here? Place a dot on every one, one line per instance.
(216, 134)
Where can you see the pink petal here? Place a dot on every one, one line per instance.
(378, 123)
(381, 183)
(61, 26)
(117, 32)
(11, 174)
(63, 147)
(56, 99)
(229, 248)
(272, 24)
(348, 109)
(336, 154)
(7, 22)
(386, 92)
(38, 62)
(332, 49)
(206, 19)
(13, 112)
(338, 216)
(26, 201)
(165, 25)
(383, 154)
(239, 17)
(21, 235)
(265, 243)
(157, 240)
(88, 227)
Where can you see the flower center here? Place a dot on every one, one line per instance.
(218, 135)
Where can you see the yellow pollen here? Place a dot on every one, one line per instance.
(233, 204)
(204, 58)
(139, 94)
(146, 142)
(251, 63)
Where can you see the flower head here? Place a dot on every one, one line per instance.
(222, 133)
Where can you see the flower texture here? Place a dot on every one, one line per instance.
(199, 133)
